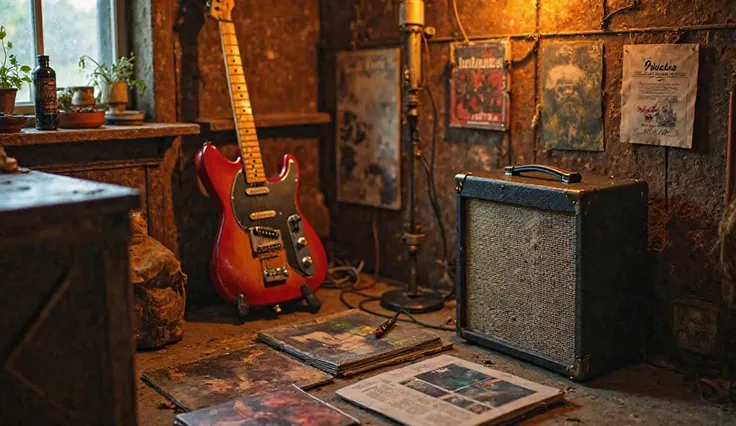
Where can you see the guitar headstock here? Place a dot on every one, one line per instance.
(221, 10)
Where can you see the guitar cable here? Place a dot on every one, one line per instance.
(346, 277)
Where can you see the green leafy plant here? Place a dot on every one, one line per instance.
(64, 99)
(121, 71)
(12, 74)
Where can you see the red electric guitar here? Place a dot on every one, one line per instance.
(265, 253)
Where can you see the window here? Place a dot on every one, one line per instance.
(64, 30)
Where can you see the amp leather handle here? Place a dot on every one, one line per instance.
(565, 176)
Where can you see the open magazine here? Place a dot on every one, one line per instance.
(449, 391)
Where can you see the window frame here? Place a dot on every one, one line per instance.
(119, 32)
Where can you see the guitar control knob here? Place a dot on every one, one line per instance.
(307, 261)
(301, 242)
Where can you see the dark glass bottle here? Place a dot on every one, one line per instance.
(44, 89)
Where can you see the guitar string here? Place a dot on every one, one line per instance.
(245, 158)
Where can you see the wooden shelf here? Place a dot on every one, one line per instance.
(104, 133)
(267, 120)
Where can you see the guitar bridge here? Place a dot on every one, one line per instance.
(274, 276)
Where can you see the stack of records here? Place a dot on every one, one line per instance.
(343, 344)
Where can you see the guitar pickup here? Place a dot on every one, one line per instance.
(262, 231)
(265, 240)
(265, 214)
(257, 190)
(268, 247)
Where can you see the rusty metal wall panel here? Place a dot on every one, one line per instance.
(685, 186)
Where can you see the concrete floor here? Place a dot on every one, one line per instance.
(640, 394)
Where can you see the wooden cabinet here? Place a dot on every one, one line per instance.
(66, 341)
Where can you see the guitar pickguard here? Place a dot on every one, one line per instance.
(272, 221)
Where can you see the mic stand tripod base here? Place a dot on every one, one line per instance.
(418, 303)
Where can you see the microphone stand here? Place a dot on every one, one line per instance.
(413, 300)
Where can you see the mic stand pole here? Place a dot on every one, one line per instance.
(413, 300)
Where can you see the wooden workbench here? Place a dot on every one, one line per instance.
(641, 394)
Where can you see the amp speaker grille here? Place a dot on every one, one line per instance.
(520, 276)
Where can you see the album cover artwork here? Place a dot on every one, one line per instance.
(343, 344)
(218, 379)
(288, 406)
(479, 85)
(368, 128)
(572, 115)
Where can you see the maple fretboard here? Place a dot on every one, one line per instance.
(242, 111)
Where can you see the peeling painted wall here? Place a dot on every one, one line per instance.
(686, 186)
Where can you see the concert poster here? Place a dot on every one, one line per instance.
(369, 128)
(479, 85)
(660, 85)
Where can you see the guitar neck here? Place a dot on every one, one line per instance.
(245, 128)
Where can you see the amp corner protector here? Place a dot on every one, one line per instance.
(580, 368)
(460, 181)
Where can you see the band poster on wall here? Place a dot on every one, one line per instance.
(480, 84)
(368, 128)
(572, 115)
(660, 84)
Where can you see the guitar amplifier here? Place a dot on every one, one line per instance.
(551, 267)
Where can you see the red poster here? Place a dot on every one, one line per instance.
(479, 85)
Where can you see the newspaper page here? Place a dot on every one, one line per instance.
(660, 84)
(448, 391)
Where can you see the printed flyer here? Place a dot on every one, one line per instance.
(660, 84)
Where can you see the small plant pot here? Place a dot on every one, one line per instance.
(81, 120)
(84, 96)
(7, 100)
(115, 96)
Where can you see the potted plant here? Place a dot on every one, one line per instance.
(80, 114)
(12, 75)
(113, 81)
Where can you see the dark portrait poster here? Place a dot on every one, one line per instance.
(572, 115)
(479, 85)
(368, 128)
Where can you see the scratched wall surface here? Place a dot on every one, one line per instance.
(686, 186)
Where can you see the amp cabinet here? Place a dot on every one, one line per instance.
(551, 267)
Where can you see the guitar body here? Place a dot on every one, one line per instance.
(238, 266)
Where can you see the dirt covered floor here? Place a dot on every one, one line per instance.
(641, 394)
